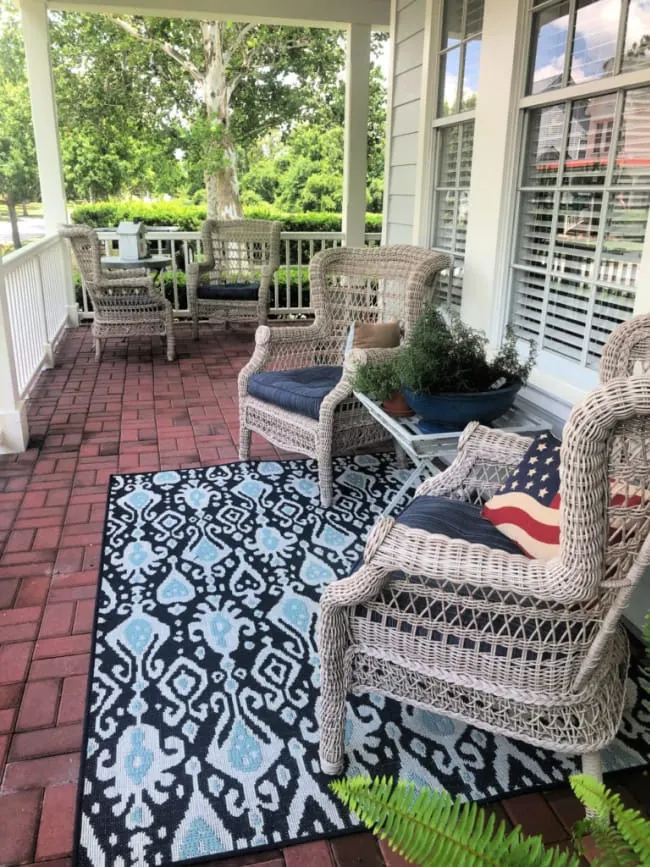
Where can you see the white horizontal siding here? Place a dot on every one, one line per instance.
(405, 119)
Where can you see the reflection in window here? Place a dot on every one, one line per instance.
(460, 56)
(584, 205)
(578, 40)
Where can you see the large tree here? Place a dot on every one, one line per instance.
(18, 172)
(248, 78)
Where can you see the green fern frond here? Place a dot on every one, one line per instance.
(630, 826)
(429, 828)
(613, 850)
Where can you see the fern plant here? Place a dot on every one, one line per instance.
(430, 828)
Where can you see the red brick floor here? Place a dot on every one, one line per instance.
(134, 411)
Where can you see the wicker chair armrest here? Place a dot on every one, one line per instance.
(479, 448)
(145, 283)
(281, 348)
(124, 274)
(394, 547)
(193, 272)
(355, 357)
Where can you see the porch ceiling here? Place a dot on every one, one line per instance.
(310, 13)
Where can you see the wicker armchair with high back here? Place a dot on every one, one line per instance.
(296, 389)
(125, 303)
(528, 648)
(234, 282)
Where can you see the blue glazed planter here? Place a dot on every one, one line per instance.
(451, 412)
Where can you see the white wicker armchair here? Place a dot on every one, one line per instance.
(234, 282)
(125, 303)
(347, 285)
(525, 648)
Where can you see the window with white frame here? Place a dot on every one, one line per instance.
(584, 184)
(459, 59)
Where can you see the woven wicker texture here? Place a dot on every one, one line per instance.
(523, 648)
(125, 303)
(347, 285)
(236, 252)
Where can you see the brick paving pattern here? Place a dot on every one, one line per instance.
(134, 411)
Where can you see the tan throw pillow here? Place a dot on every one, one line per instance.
(376, 335)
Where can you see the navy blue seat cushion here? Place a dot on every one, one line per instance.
(229, 292)
(300, 391)
(455, 519)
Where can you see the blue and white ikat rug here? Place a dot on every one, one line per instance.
(202, 737)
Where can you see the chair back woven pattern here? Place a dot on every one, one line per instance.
(366, 285)
(238, 250)
(87, 251)
(627, 351)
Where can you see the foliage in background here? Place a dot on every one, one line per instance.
(134, 118)
(446, 356)
(18, 172)
(189, 218)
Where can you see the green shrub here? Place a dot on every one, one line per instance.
(189, 218)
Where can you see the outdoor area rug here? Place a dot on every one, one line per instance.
(202, 734)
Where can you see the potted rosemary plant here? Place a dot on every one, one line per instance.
(381, 382)
(446, 375)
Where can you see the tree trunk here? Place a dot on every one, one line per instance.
(13, 219)
(25, 213)
(221, 186)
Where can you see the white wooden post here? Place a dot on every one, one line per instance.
(46, 129)
(493, 169)
(355, 158)
(14, 434)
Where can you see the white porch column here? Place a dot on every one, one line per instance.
(13, 418)
(355, 158)
(493, 169)
(46, 128)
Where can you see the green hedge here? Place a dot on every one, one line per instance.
(188, 218)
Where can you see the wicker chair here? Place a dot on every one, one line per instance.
(529, 649)
(347, 285)
(234, 282)
(125, 303)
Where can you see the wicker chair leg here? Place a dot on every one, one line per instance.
(98, 348)
(244, 442)
(195, 324)
(332, 648)
(325, 481)
(592, 765)
(171, 340)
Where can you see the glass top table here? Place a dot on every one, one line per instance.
(423, 449)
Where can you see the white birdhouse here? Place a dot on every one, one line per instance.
(132, 240)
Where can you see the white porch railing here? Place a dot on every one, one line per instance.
(290, 293)
(36, 301)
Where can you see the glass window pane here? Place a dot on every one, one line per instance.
(449, 68)
(448, 165)
(577, 232)
(594, 43)
(564, 323)
(453, 23)
(633, 149)
(470, 77)
(466, 148)
(528, 288)
(535, 225)
(611, 307)
(449, 289)
(544, 145)
(548, 48)
(627, 217)
(461, 221)
(474, 17)
(445, 221)
(637, 35)
(589, 142)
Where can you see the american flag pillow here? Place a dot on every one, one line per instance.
(527, 506)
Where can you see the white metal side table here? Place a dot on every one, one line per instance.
(423, 449)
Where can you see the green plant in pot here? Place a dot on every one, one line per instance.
(381, 382)
(446, 375)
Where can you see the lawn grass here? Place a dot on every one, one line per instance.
(34, 209)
